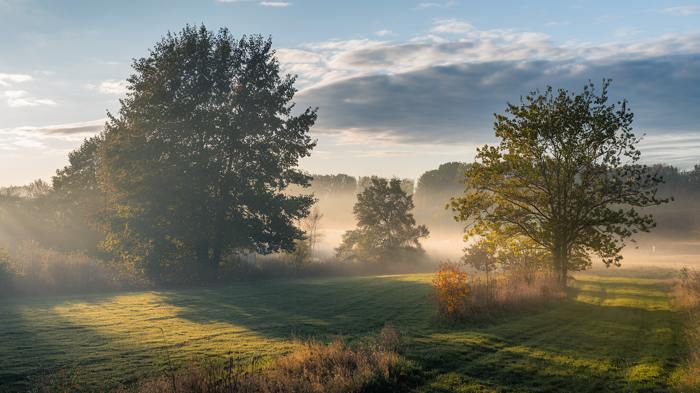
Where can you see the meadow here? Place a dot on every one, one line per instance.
(613, 333)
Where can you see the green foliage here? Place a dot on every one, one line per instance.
(78, 196)
(196, 163)
(385, 227)
(565, 175)
(518, 255)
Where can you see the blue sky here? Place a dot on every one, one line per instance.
(402, 85)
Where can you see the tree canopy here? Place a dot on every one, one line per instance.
(196, 162)
(566, 175)
(385, 225)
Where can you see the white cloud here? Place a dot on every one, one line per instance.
(432, 4)
(452, 26)
(682, 10)
(275, 4)
(272, 4)
(455, 41)
(48, 138)
(8, 79)
(22, 98)
(109, 86)
(384, 33)
(81, 128)
(626, 32)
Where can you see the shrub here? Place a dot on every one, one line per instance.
(459, 295)
(451, 287)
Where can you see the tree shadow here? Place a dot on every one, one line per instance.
(566, 346)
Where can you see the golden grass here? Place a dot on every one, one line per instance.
(619, 334)
(313, 367)
(687, 298)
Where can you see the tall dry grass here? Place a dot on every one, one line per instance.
(687, 298)
(376, 365)
(31, 269)
(459, 295)
(512, 291)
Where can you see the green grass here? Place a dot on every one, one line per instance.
(613, 334)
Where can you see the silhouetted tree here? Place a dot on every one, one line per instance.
(565, 175)
(327, 185)
(197, 161)
(434, 190)
(385, 226)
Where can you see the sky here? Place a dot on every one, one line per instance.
(401, 86)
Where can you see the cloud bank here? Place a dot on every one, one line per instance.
(445, 87)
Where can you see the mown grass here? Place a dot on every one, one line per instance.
(613, 334)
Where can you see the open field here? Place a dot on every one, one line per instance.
(615, 333)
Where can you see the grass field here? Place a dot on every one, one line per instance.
(613, 334)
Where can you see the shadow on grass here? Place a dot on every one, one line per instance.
(568, 346)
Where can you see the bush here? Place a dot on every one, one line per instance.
(459, 295)
(451, 287)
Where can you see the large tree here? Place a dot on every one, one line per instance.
(197, 161)
(566, 175)
(385, 226)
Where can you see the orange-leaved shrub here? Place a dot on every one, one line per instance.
(451, 288)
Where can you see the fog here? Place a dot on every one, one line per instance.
(675, 242)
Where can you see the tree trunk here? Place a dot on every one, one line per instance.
(564, 270)
(207, 273)
(561, 264)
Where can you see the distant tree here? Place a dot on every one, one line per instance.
(311, 227)
(197, 161)
(305, 248)
(447, 179)
(325, 185)
(364, 182)
(385, 226)
(565, 175)
(434, 190)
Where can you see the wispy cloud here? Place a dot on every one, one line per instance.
(433, 4)
(443, 88)
(452, 26)
(109, 86)
(272, 4)
(8, 79)
(384, 33)
(682, 10)
(43, 137)
(22, 98)
(275, 4)
(81, 128)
